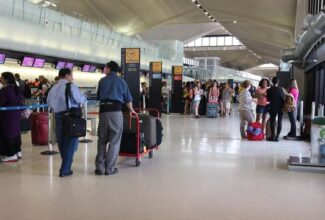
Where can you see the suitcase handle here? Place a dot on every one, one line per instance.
(156, 111)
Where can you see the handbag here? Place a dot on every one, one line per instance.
(73, 125)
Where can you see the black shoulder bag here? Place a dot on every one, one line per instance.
(72, 122)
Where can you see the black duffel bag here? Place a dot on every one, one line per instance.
(73, 125)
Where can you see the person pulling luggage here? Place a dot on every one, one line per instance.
(112, 93)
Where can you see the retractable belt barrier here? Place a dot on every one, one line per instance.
(50, 150)
(15, 108)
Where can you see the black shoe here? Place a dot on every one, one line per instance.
(70, 173)
(115, 171)
(270, 139)
(99, 172)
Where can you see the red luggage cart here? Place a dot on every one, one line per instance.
(138, 155)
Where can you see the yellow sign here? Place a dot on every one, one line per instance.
(156, 67)
(132, 55)
(178, 70)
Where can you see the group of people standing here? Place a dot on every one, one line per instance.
(271, 101)
(196, 95)
(113, 92)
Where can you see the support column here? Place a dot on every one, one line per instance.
(155, 85)
(177, 95)
(130, 65)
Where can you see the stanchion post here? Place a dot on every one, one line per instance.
(50, 151)
(85, 140)
(321, 111)
(313, 106)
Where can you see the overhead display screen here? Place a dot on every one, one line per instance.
(2, 58)
(28, 61)
(39, 63)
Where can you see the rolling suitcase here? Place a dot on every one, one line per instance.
(129, 142)
(40, 128)
(148, 127)
(159, 129)
(212, 110)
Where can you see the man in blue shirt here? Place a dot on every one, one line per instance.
(112, 93)
(57, 103)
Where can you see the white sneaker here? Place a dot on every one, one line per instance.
(10, 159)
(19, 155)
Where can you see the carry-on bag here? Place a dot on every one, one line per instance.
(129, 142)
(73, 125)
(212, 110)
(159, 129)
(148, 127)
(40, 128)
(255, 131)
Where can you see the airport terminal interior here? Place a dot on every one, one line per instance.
(212, 109)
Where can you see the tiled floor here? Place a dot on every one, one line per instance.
(202, 171)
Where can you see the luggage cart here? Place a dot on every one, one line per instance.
(138, 155)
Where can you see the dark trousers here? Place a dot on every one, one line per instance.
(293, 130)
(67, 145)
(11, 146)
(273, 116)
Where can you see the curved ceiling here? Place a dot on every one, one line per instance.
(266, 27)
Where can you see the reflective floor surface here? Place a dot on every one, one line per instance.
(202, 171)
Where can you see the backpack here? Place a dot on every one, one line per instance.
(255, 131)
(289, 103)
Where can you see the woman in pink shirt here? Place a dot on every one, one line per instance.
(294, 91)
(262, 103)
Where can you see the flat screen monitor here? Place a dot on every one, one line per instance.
(2, 58)
(86, 68)
(60, 65)
(93, 69)
(69, 65)
(39, 63)
(28, 61)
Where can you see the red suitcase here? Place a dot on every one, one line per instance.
(40, 128)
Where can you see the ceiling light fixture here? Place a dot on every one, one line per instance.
(235, 22)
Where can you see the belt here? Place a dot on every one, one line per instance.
(110, 106)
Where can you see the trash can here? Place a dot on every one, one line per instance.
(318, 137)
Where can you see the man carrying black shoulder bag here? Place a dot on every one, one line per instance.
(64, 99)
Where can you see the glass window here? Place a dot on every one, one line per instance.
(206, 41)
(221, 41)
(191, 44)
(198, 42)
(210, 62)
(201, 62)
(236, 42)
(213, 41)
(228, 41)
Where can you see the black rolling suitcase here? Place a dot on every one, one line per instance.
(159, 130)
(129, 142)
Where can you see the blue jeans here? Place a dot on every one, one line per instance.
(67, 145)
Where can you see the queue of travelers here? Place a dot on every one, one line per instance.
(113, 92)
(269, 100)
